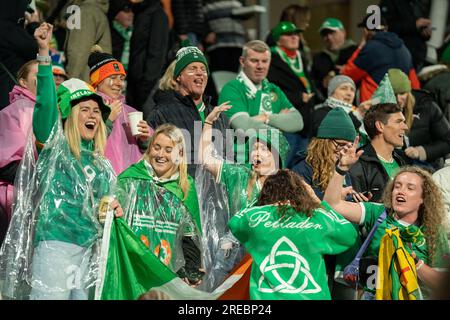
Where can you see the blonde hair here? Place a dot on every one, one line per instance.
(25, 69)
(321, 159)
(431, 211)
(72, 133)
(167, 82)
(177, 138)
(408, 110)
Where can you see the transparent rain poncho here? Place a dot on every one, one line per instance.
(160, 220)
(52, 246)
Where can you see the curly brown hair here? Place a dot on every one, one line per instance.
(321, 159)
(431, 212)
(287, 186)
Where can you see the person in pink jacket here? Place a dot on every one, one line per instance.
(122, 148)
(15, 124)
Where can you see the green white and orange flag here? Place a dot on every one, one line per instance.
(128, 270)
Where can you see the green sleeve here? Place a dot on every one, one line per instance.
(371, 212)
(279, 100)
(233, 92)
(238, 226)
(45, 112)
(287, 122)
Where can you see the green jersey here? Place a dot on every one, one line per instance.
(157, 211)
(390, 167)
(288, 249)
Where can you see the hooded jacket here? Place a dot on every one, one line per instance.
(368, 174)
(17, 46)
(94, 29)
(385, 50)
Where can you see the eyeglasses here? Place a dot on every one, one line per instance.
(338, 144)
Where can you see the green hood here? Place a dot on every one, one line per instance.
(139, 171)
(275, 140)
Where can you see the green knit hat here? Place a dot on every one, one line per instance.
(399, 81)
(284, 27)
(384, 92)
(337, 124)
(71, 91)
(275, 140)
(186, 56)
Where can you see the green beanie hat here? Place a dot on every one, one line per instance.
(399, 81)
(384, 92)
(276, 142)
(71, 91)
(186, 56)
(284, 27)
(337, 124)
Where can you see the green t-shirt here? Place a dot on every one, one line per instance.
(288, 250)
(370, 213)
(390, 167)
(246, 98)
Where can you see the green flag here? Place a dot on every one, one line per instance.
(384, 92)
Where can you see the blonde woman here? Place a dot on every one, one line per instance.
(414, 205)
(160, 203)
(58, 206)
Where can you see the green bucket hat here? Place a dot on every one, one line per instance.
(186, 56)
(275, 140)
(331, 24)
(337, 124)
(384, 93)
(399, 81)
(71, 91)
(284, 27)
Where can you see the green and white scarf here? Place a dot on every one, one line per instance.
(296, 65)
(126, 35)
(251, 91)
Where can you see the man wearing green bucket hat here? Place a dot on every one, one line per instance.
(63, 188)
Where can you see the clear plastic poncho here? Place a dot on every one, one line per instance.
(52, 246)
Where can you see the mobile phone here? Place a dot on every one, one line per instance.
(370, 192)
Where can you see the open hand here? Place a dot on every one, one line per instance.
(215, 113)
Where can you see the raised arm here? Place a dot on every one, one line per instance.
(347, 157)
(206, 145)
(45, 112)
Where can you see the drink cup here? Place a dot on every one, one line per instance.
(134, 118)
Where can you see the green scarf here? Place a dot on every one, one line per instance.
(126, 35)
(252, 91)
(295, 65)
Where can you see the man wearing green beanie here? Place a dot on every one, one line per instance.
(186, 56)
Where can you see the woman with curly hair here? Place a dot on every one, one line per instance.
(317, 166)
(287, 234)
(414, 205)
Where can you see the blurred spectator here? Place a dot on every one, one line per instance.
(378, 51)
(409, 20)
(120, 18)
(227, 35)
(301, 17)
(94, 29)
(442, 179)
(189, 21)
(148, 50)
(17, 45)
(59, 74)
(333, 56)
(15, 124)
(287, 71)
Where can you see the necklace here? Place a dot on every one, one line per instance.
(384, 160)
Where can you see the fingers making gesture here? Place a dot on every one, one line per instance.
(348, 155)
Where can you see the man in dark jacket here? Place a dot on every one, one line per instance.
(186, 107)
(17, 45)
(148, 50)
(120, 16)
(335, 54)
(287, 71)
(386, 127)
(409, 20)
(380, 51)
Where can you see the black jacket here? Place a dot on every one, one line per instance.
(172, 107)
(17, 45)
(188, 17)
(401, 16)
(368, 174)
(281, 75)
(148, 49)
(430, 129)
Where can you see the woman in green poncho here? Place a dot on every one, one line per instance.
(160, 203)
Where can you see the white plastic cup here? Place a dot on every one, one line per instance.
(133, 119)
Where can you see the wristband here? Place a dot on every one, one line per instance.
(44, 59)
(339, 170)
(208, 123)
(419, 265)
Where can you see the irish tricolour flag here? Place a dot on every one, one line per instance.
(128, 269)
